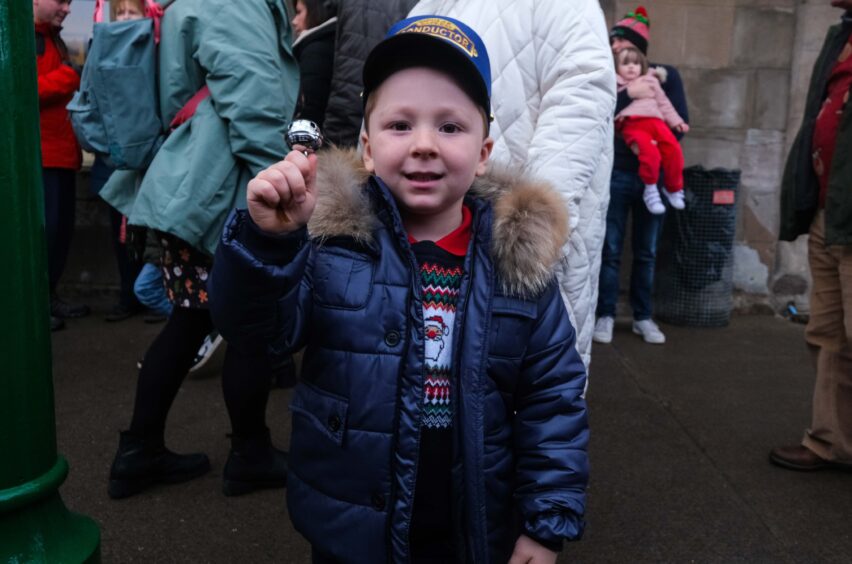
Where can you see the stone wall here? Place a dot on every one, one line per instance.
(746, 66)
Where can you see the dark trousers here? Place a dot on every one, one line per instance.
(128, 269)
(59, 214)
(245, 379)
(320, 558)
(626, 196)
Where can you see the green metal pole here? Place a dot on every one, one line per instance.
(35, 526)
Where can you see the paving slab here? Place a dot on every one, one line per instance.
(680, 436)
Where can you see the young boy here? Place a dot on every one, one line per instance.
(439, 415)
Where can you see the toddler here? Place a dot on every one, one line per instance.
(439, 415)
(646, 125)
(126, 10)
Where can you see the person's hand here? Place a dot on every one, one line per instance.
(682, 127)
(281, 198)
(642, 87)
(527, 551)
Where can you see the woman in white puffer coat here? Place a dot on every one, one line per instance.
(553, 99)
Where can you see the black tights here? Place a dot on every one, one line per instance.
(245, 379)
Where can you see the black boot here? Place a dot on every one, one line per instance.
(253, 464)
(141, 462)
(63, 310)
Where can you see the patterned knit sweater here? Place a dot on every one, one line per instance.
(441, 269)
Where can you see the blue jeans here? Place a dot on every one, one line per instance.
(625, 195)
(150, 291)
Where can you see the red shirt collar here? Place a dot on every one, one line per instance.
(455, 242)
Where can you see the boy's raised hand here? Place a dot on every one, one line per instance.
(527, 551)
(282, 197)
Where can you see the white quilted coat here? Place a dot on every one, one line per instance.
(553, 97)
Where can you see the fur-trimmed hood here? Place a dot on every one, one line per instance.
(530, 223)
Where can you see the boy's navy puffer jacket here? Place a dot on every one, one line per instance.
(351, 295)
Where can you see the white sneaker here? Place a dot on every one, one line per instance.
(651, 196)
(649, 331)
(207, 351)
(675, 199)
(603, 330)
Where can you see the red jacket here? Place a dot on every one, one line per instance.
(56, 84)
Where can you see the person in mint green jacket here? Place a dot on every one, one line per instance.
(236, 57)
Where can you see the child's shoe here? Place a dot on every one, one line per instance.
(210, 354)
(649, 331)
(676, 199)
(603, 330)
(651, 196)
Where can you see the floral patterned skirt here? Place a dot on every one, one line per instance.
(185, 271)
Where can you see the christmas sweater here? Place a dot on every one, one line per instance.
(441, 269)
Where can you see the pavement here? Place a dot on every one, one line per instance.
(679, 468)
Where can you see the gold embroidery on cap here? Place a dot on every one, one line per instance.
(438, 27)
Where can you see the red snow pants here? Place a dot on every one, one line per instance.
(654, 145)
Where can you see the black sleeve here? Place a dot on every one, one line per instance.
(673, 88)
(361, 24)
(344, 112)
(622, 101)
(315, 63)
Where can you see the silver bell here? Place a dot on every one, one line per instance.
(306, 133)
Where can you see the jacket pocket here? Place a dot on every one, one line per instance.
(511, 320)
(134, 131)
(325, 412)
(342, 279)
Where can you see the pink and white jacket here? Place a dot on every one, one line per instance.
(657, 106)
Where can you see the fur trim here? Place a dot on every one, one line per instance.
(530, 228)
(662, 74)
(342, 209)
(530, 219)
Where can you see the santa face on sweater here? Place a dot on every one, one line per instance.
(435, 330)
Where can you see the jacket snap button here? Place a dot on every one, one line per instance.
(392, 339)
(379, 501)
(334, 423)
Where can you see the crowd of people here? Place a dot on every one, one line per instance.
(443, 263)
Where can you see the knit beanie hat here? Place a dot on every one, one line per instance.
(634, 28)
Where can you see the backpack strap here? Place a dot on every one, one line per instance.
(98, 15)
(188, 109)
(155, 12)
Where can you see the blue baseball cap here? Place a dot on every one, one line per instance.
(438, 42)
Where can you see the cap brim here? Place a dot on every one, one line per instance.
(414, 50)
